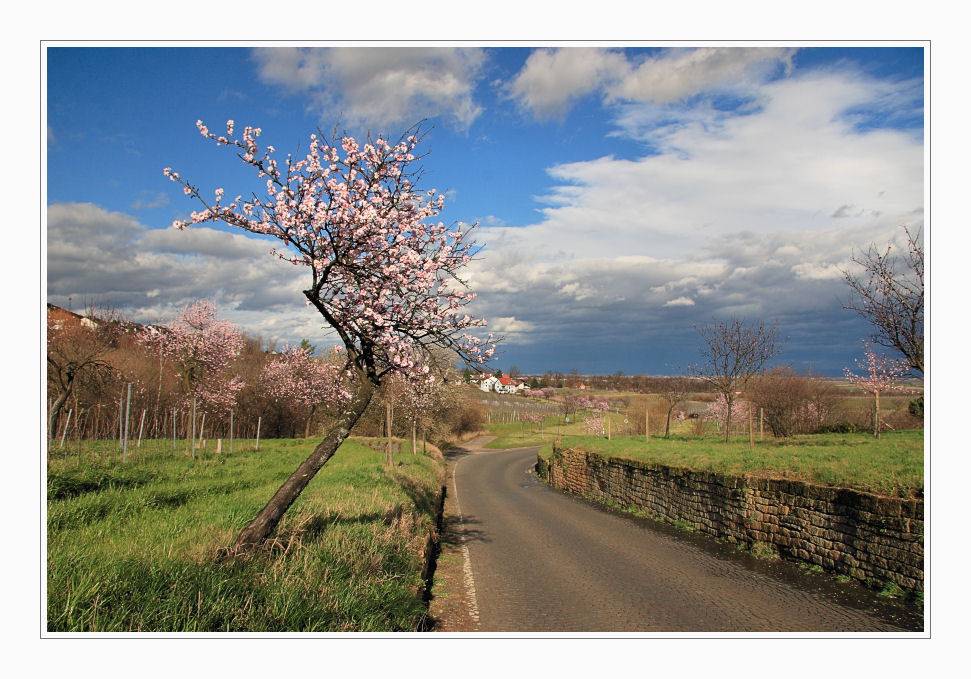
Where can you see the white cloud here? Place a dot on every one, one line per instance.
(376, 86)
(681, 73)
(508, 325)
(110, 259)
(753, 214)
(552, 79)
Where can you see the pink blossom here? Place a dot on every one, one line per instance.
(201, 348)
(382, 274)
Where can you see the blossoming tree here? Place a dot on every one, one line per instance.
(382, 276)
(879, 374)
(295, 377)
(202, 347)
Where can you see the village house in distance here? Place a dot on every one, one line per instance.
(500, 385)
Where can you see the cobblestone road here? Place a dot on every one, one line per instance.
(539, 560)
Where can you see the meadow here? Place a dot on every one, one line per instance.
(133, 547)
(892, 465)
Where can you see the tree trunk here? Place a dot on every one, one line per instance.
(876, 414)
(263, 525)
(58, 406)
(728, 416)
(310, 418)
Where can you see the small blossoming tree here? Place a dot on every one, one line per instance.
(719, 411)
(381, 274)
(879, 374)
(201, 347)
(295, 377)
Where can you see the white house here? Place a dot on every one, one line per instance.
(489, 383)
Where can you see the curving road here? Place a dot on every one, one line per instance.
(539, 560)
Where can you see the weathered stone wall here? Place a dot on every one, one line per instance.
(864, 536)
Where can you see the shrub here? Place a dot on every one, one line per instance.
(792, 404)
(839, 428)
(916, 407)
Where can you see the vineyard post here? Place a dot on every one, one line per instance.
(259, 422)
(174, 419)
(647, 421)
(141, 428)
(202, 432)
(192, 444)
(230, 432)
(124, 444)
(66, 425)
(751, 428)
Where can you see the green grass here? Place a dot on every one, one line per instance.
(131, 548)
(892, 465)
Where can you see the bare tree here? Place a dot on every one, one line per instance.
(673, 391)
(734, 352)
(76, 348)
(889, 293)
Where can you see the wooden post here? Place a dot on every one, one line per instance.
(647, 421)
(66, 425)
(751, 428)
(202, 432)
(761, 424)
(141, 429)
(124, 446)
(219, 446)
(389, 453)
(259, 422)
(121, 416)
(607, 415)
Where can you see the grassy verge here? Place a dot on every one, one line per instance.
(892, 465)
(130, 548)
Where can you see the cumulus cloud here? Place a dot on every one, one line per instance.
(753, 214)
(681, 73)
(376, 86)
(552, 79)
(110, 259)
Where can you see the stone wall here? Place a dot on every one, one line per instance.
(867, 537)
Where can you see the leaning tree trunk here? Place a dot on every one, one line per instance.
(263, 525)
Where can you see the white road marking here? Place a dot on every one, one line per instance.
(467, 559)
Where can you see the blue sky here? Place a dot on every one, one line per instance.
(624, 195)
